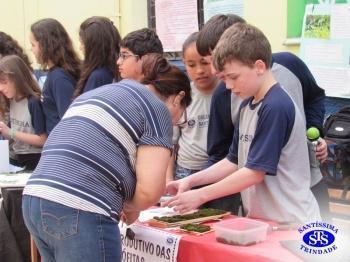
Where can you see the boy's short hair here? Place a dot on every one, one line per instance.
(213, 29)
(244, 43)
(142, 41)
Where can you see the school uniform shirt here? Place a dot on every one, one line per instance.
(295, 78)
(26, 116)
(192, 153)
(57, 95)
(270, 137)
(99, 77)
(88, 161)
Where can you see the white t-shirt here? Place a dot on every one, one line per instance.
(192, 140)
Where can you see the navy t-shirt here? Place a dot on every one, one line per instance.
(98, 77)
(57, 96)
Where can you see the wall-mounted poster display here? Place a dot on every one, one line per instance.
(175, 21)
(325, 46)
(213, 7)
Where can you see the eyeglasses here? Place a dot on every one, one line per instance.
(124, 56)
(183, 119)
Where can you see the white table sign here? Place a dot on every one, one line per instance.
(149, 245)
(4, 156)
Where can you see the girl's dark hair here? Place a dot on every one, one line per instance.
(101, 42)
(9, 46)
(56, 46)
(16, 70)
(167, 79)
(192, 38)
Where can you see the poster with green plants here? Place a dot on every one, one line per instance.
(325, 46)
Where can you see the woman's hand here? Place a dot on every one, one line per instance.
(321, 150)
(4, 130)
(129, 217)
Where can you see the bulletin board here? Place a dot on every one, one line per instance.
(295, 15)
(325, 46)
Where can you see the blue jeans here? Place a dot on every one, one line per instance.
(181, 172)
(64, 234)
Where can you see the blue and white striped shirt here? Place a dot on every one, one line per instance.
(88, 161)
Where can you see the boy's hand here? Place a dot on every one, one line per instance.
(186, 201)
(321, 150)
(177, 186)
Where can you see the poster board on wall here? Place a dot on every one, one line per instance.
(325, 46)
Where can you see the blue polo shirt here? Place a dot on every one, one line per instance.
(88, 161)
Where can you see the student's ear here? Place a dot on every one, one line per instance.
(178, 98)
(260, 67)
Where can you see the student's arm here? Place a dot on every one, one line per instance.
(151, 165)
(239, 180)
(38, 121)
(313, 95)
(220, 128)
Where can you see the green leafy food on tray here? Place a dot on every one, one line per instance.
(196, 228)
(205, 212)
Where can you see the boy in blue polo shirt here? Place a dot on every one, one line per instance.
(268, 159)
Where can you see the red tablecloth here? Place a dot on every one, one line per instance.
(205, 248)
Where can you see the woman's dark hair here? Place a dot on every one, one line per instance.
(192, 38)
(9, 46)
(101, 42)
(211, 32)
(56, 46)
(167, 79)
(12, 67)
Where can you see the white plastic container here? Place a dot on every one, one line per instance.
(241, 231)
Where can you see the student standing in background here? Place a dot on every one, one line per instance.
(192, 130)
(132, 47)
(9, 46)
(99, 42)
(53, 50)
(27, 123)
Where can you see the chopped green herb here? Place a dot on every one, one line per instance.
(196, 228)
(205, 212)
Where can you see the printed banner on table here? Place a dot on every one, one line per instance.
(149, 245)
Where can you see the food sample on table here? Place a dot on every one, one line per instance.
(201, 215)
(197, 228)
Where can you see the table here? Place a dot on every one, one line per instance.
(14, 236)
(205, 248)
